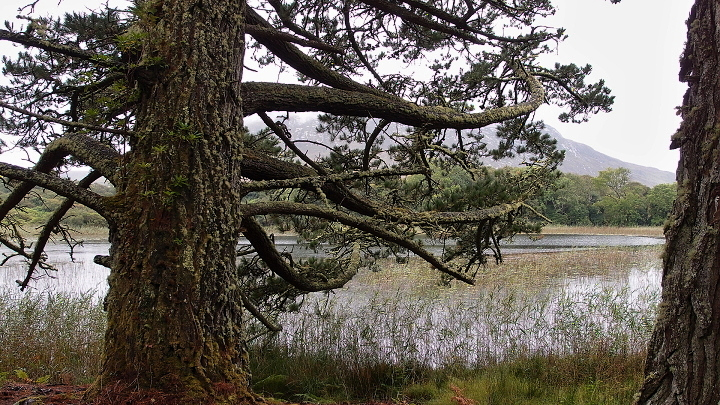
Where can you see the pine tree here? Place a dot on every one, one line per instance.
(153, 99)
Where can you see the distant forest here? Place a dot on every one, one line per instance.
(608, 199)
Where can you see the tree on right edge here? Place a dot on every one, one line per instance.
(682, 365)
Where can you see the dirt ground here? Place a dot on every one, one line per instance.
(29, 394)
(14, 393)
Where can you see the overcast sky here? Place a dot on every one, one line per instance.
(634, 46)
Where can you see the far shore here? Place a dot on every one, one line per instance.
(100, 234)
(653, 231)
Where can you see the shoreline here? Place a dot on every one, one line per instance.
(99, 234)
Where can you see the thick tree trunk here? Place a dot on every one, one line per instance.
(174, 313)
(683, 365)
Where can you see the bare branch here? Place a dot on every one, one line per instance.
(289, 23)
(265, 249)
(63, 122)
(564, 85)
(269, 33)
(27, 40)
(460, 23)
(371, 140)
(305, 64)
(60, 186)
(50, 226)
(269, 324)
(280, 132)
(356, 47)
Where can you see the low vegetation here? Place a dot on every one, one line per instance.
(519, 343)
(382, 340)
(50, 336)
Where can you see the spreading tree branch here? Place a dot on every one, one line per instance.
(311, 182)
(289, 23)
(269, 33)
(303, 63)
(66, 123)
(87, 150)
(67, 50)
(265, 249)
(460, 23)
(65, 188)
(281, 133)
(263, 97)
(367, 225)
(50, 227)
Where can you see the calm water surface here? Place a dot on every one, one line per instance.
(82, 275)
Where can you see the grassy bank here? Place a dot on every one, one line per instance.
(396, 335)
(655, 231)
(101, 233)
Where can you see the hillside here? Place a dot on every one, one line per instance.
(582, 159)
(579, 158)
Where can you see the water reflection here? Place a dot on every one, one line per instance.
(534, 303)
(82, 275)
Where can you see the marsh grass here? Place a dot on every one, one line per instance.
(50, 336)
(409, 339)
(396, 334)
(656, 231)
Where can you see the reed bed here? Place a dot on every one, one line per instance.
(410, 335)
(532, 326)
(50, 336)
(656, 231)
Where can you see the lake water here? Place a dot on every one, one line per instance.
(83, 275)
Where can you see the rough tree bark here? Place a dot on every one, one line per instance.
(683, 364)
(173, 306)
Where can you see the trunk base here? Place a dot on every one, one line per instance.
(120, 393)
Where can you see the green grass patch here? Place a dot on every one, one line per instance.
(593, 378)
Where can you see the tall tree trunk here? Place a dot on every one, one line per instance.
(683, 364)
(174, 315)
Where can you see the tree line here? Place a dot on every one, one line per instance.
(610, 198)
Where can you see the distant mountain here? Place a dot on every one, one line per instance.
(579, 158)
(582, 159)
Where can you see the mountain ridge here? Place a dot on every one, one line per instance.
(580, 158)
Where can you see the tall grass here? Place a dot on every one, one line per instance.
(50, 335)
(525, 334)
(408, 339)
(387, 343)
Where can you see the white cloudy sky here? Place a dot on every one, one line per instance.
(634, 46)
